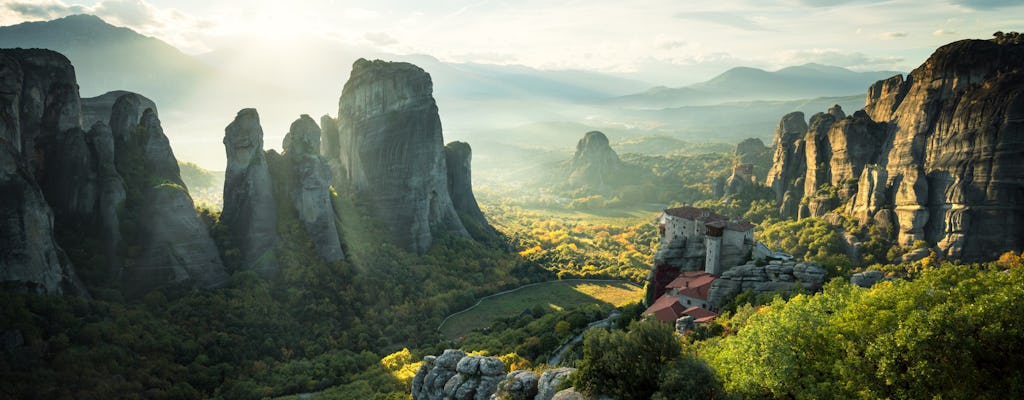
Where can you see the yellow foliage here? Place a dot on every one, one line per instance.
(400, 365)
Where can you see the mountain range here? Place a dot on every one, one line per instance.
(483, 103)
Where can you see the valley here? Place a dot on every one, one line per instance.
(433, 229)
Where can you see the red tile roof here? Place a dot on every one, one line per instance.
(699, 313)
(666, 308)
(695, 284)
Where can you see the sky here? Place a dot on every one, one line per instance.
(668, 42)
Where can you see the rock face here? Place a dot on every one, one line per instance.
(249, 210)
(789, 163)
(392, 152)
(549, 381)
(517, 385)
(84, 179)
(311, 188)
(943, 141)
(458, 158)
(453, 375)
(775, 276)
(595, 164)
(176, 247)
(31, 259)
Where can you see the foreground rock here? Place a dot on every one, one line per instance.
(392, 153)
(776, 276)
(453, 375)
(249, 212)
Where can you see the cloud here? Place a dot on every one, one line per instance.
(729, 19)
(986, 4)
(671, 44)
(831, 3)
(380, 38)
(175, 27)
(854, 60)
(136, 13)
(893, 35)
(44, 9)
(943, 32)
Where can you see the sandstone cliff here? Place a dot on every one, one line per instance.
(937, 151)
(391, 149)
(249, 212)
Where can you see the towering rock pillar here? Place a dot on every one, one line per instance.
(249, 209)
(392, 149)
(460, 187)
(311, 188)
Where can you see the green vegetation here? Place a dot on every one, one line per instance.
(558, 295)
(1007, 37)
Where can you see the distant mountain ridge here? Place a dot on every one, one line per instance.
(107, 57)
(746, 83)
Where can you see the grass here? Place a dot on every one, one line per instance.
(554, 295)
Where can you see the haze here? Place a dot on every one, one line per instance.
(289, 58)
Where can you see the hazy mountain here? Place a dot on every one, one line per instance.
(108, 58)
(745, 83)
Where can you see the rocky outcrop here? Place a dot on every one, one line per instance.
(48, 104)
(453, 375)
(789, 163)
(947, 137)
(98, 109)
(517, 385)
(393, 154)
(112, 178)
(549, 381)
(31, 259)
(249, 212)
(176, 247)
(311, 188)
(595, 164)
(773, 277)
(458, 158)
(867, 279)
(11, 80)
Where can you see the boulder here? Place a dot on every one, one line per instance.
(453, 375)
(517, 385)
(249, 212)
(547, 386)
(866, 279)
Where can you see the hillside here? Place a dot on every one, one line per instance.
(746, 83)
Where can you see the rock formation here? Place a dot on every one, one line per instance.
(941, 145)
(549, 381)
(517, 385)
(392, 152)
(176, 247)
(595, 164)
(311, 188)
(458, 157)
(453, 375)
(775, 276)
(249, 212)
(98, 109)
(789, 163)
(31, 259)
